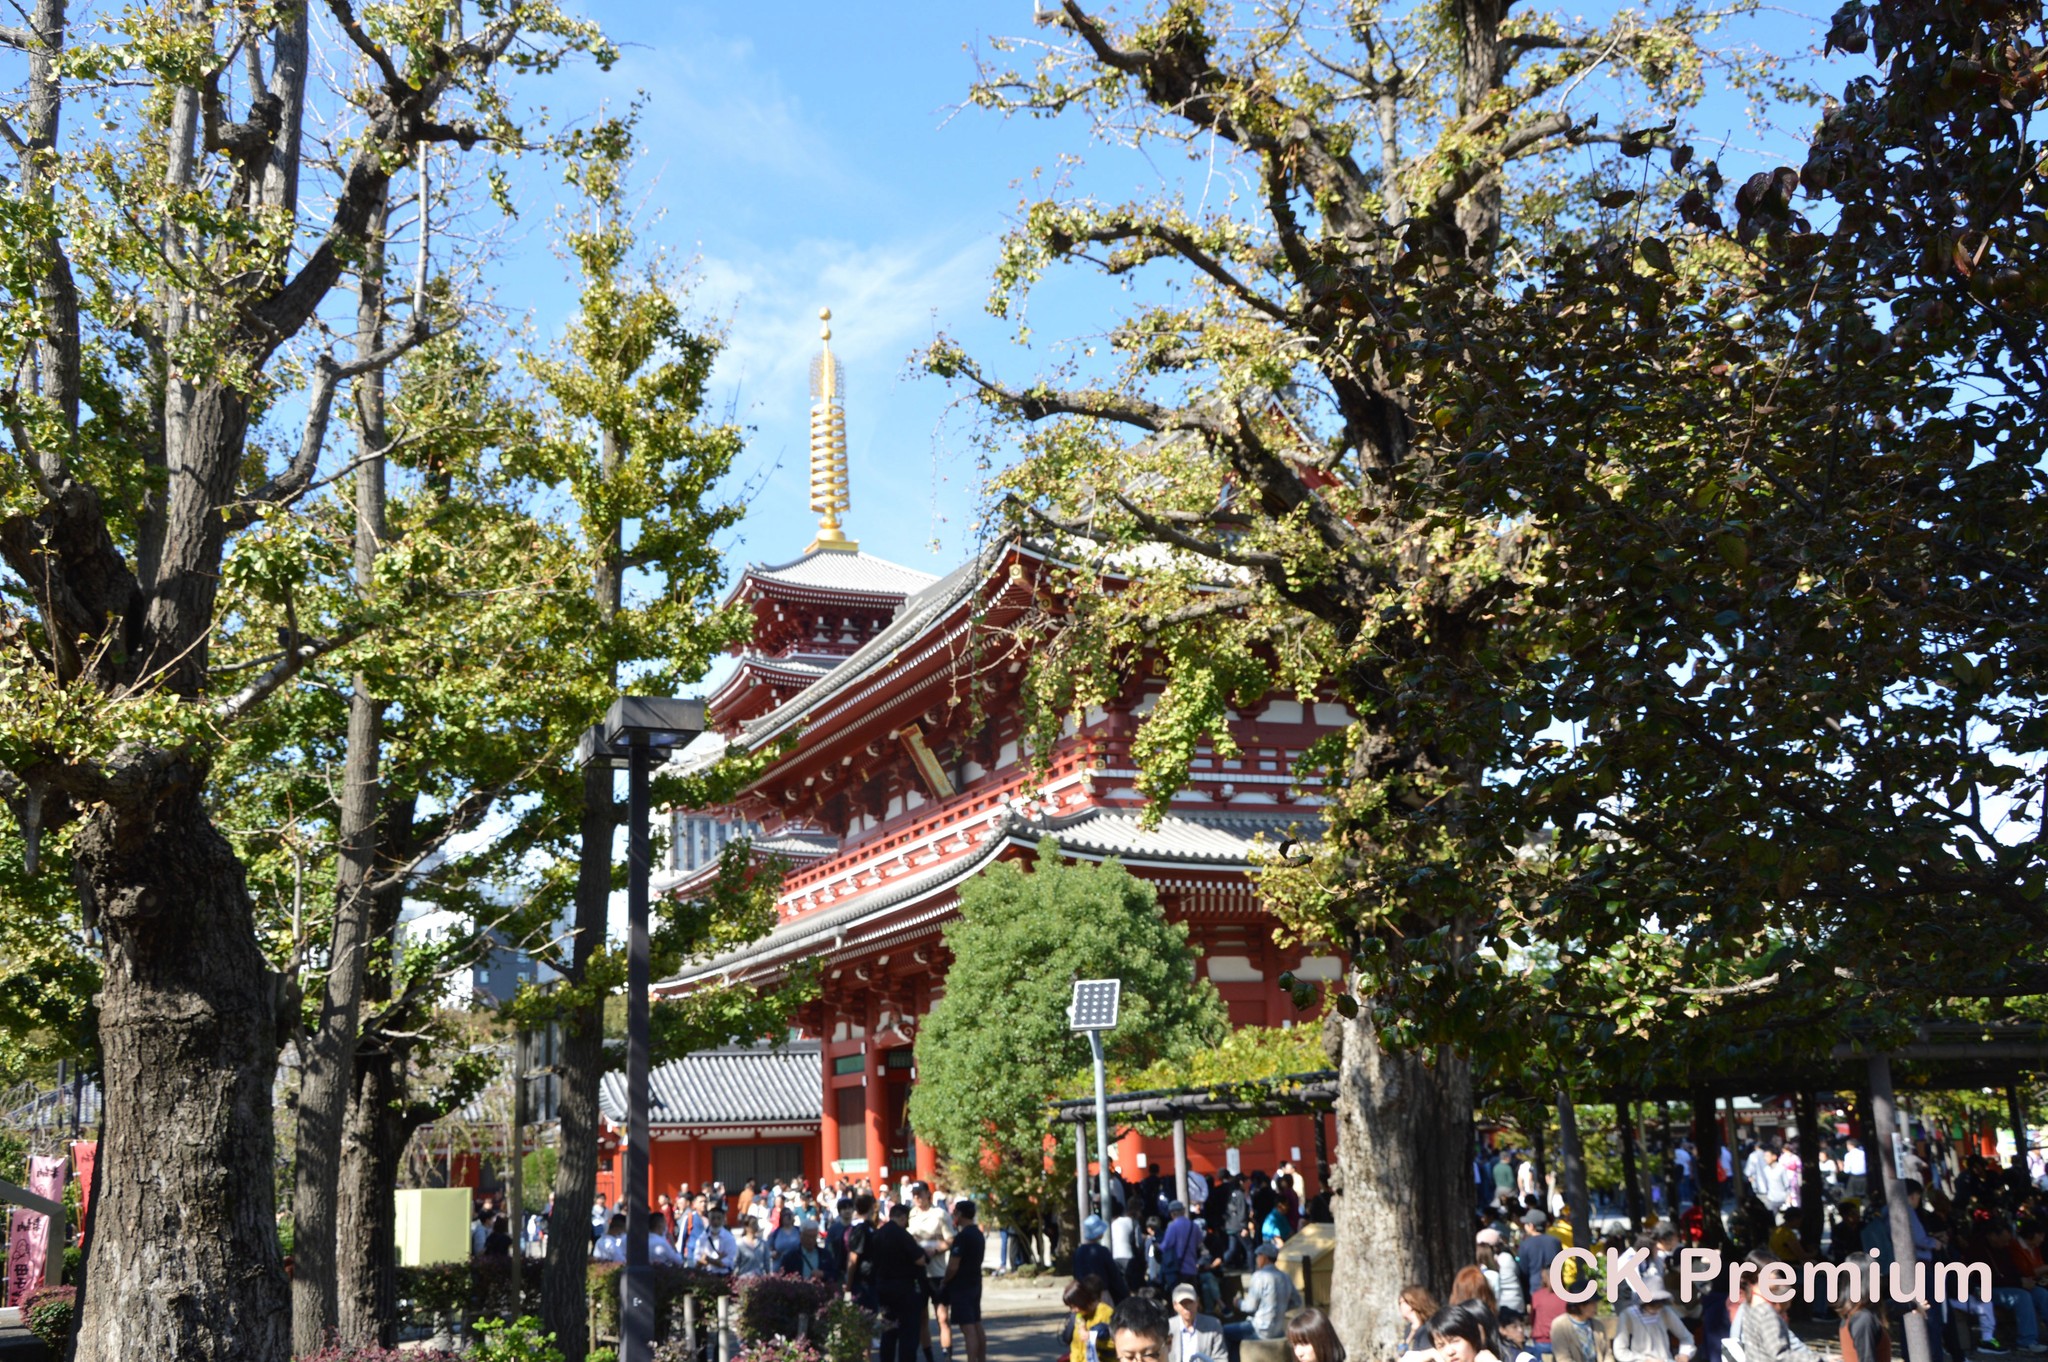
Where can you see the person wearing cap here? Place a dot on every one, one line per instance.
(1269, 1297)
(1192, 1335)
(1093, 1258)
(1538, 1249)
(1650, 1330)
(1501, 1272)
(1180, 1249)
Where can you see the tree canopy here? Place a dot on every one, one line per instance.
(997, 1047)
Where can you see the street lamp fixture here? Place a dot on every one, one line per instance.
(637, 729)
(1094, 1010)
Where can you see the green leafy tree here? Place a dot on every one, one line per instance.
(166, 265)
(626, 449)
(997, 1047)
(1261, 427)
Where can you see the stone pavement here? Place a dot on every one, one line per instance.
(1022, 1319)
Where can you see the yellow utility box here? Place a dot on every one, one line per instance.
(433, 1225)
(1309, 1258)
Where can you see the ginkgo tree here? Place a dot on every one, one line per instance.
(175, 241)
(1245, 472)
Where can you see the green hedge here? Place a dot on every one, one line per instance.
(671, 1285)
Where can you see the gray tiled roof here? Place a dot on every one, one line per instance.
(1220, 842)
(834, 570)
(1219, 839)
(806, 936)
(733, 1085)
(812, 844)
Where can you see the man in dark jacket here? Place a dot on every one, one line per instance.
(898, 1261)
(810, 1259)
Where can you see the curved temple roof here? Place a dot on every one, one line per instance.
(734, 1085)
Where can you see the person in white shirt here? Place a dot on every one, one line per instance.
(1123, 1247)
(1855, 1169)
(1650, 1330)
(611, 1245)
(932, 1228)
(715, 1249)
(660, 1252)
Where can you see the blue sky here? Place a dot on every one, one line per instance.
(809, 154)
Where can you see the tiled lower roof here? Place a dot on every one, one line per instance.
(1221, 839)
(1217, 842)
(735, 1085)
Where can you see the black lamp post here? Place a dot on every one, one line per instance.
(635, 729)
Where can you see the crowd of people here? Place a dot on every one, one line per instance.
(914, 1254)
(1963, 1209)
(1156, 1279)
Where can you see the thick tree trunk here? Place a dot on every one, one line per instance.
(365, 1213)
(183, 1261)
(1631, 1179)
(1812, 1207)
(329, 1068)
(1571, 1154)
(1706, 1168)
(564, 1300)
(1403, 1216)
(1479, 74)
(380, 1123)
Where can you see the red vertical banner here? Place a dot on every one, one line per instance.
(83, 1153)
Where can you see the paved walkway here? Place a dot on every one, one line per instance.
(1021, 1319)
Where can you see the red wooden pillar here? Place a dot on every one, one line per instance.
(877, 1110)
(828, 1119)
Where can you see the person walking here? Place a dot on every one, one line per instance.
(1537, 1251)
(1123, 1250)
(933, 1229)
(752, 1256)
(611, 1246)
(810, 1259)
(1865, 1335)
(1761, 1326)
(1180, 1249)
(1502, 1272)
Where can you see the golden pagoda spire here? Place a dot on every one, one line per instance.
(828, 444)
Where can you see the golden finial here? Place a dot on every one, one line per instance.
(828, 444)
